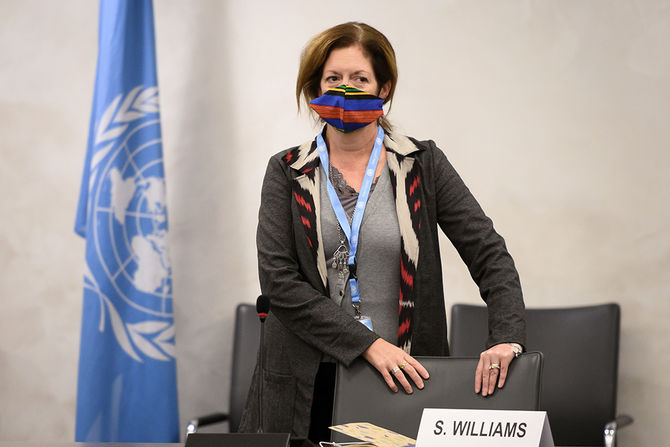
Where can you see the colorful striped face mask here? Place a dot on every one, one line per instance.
(347, 109)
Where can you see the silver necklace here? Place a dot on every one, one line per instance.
(341, 254)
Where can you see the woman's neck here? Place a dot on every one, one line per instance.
(347, 148)
(350, 153)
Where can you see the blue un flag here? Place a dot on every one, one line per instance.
(127, 390)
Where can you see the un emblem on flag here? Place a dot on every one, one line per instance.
(127, 253)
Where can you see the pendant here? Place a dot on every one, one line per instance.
(341, 261)
(341, 258)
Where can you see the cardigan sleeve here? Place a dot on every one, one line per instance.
(289, 276)
(482, 249)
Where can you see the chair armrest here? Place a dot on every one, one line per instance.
(203, 421)
(611, 427)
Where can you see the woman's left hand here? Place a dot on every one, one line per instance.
(486, 377)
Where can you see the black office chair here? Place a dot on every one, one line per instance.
(245, 348)
(361, 394)
(581, 355)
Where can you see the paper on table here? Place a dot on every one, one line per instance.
(371, 433)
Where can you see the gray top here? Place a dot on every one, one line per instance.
(378, 258)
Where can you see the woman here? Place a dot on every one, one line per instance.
(348, 245)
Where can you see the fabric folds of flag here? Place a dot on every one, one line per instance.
(347, 108)
(127, 387)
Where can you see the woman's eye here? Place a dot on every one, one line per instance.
(360, 82)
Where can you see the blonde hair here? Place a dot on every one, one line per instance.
(375, 46)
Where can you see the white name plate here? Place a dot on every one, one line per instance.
(483, 428)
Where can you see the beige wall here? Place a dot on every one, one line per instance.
(555, 113)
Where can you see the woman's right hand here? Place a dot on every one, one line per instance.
(384, 356)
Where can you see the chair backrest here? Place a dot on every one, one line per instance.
(581, 354)
(361, 395)
(245, 349)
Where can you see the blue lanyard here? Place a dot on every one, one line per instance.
(352, 232)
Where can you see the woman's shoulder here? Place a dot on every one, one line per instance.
(406, 145)
(299, 158)
(432, 160)
(279, 156)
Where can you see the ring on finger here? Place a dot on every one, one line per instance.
(395, 370)
(494, 366)
(403, 365)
